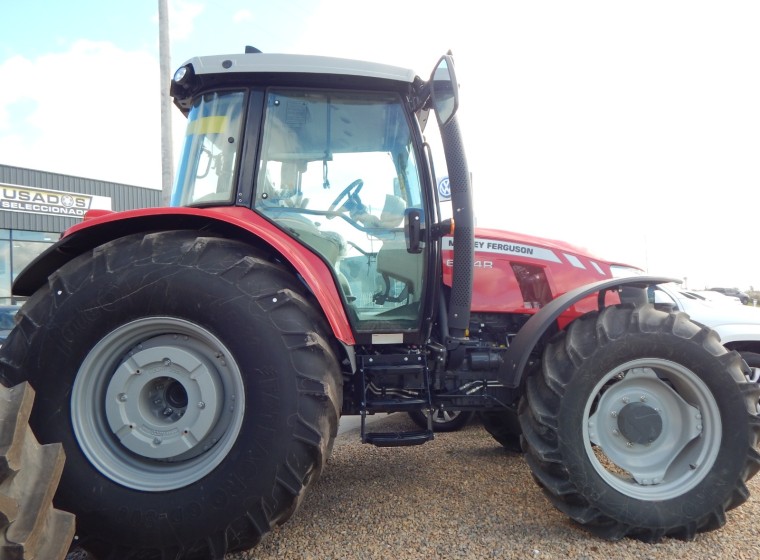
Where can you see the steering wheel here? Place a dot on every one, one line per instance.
(351, 194)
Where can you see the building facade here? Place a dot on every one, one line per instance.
(37, 206)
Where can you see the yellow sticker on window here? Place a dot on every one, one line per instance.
(207, 125)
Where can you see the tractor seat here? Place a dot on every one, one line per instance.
(393, 259)
(329, 244)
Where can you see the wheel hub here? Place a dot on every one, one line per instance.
(147, 402)
(649, 430)
(639, 423)
(157, 404)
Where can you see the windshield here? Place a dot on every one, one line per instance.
(207, 166)
(338, 172)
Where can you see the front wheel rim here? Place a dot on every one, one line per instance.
(652, 429)
(157, 404)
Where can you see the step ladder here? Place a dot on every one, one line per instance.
(394, 383)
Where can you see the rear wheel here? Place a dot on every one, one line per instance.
(641, 424)
(192, 386)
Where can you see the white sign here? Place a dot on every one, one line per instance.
(15, 198)
(444, 190)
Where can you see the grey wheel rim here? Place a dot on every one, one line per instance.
(652, 429)
(157, 404)
(443, 416)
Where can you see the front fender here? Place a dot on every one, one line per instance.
(517, 355)
(232, 222)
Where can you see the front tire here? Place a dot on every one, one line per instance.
(192, 386)
(504, 426)
(641, 424)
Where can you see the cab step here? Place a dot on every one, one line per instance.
(395, 405)
(397, 439)
(394, 383)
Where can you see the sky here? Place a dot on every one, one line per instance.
(630, 129)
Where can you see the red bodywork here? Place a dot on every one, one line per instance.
(519, 273)
(312, 268)
(514, 273)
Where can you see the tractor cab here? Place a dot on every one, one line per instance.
(338, 164)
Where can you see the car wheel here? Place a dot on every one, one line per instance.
(443, 420)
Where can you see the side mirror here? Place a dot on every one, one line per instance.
(444, 90)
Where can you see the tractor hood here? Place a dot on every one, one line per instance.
(533, 240)
(520, 273)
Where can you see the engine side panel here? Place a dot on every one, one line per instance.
(516, 273)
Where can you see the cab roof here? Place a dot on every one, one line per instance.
(297, 64)
(203, 73)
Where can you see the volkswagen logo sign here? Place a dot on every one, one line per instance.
(444, 191)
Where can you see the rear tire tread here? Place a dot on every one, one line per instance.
(293, 318)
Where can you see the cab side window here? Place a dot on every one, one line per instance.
(338, 174)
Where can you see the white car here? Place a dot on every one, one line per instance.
(715, 297)
(737, 325)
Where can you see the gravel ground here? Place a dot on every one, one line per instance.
(460, 496)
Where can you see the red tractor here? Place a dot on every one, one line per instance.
(194, 361)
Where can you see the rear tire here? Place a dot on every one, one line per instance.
(192, 386)
(641, 424)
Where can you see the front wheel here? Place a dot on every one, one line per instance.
(504, 427)
(641, 424)
(193, 388)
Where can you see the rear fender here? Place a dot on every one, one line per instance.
(232, 222)
(517, 355)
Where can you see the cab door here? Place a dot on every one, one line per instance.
(338, 172)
